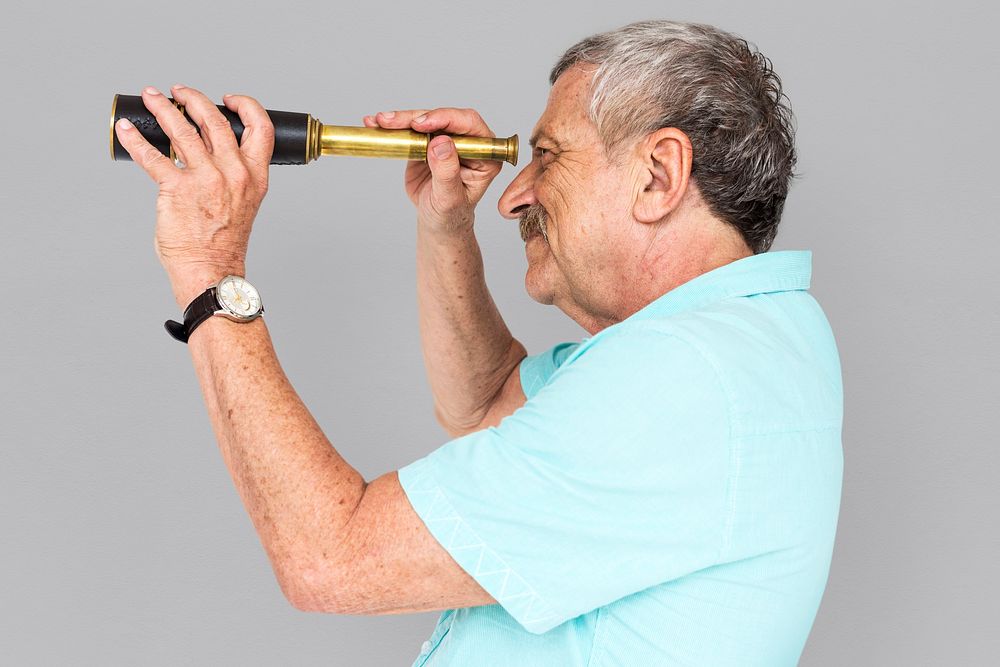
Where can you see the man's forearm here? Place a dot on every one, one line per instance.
(468, 350)
(297, 489)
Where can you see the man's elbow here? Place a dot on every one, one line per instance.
(453, 427)
(318, 588)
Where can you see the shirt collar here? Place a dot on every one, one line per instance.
(780, 271)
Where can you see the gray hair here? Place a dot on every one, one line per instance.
(717, 89)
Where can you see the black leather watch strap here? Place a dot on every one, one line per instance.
(199, 310)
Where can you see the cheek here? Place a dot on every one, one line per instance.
(558, 187)
(560, 195)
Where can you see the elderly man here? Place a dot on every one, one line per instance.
(664, 492)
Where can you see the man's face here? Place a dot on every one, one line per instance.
(581, 200)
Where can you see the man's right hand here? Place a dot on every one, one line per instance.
(444, 189)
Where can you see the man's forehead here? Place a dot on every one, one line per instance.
(566, 110)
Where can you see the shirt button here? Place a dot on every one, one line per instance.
(425, 647)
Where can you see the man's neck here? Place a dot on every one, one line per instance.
(660, 269)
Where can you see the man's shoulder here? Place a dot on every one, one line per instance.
(647, 342)
(774, 356)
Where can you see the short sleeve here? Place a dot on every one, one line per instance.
(610, 479)
(536, 370)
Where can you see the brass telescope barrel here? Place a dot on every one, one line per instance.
(408, 144)
(299, 138)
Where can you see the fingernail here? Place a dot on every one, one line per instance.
(125, 123)
(151, 91)
(177, 86)
(227, 95)
(388, 114)
(420, 119)
(443, 149)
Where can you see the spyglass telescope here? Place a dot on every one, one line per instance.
(299, 138)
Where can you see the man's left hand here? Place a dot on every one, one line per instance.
(205, 209)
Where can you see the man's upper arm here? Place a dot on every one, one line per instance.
(388, 562)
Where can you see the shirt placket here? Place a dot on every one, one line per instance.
(440, 630)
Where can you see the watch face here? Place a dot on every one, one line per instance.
(238, 297)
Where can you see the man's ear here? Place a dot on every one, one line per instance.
(666, 156)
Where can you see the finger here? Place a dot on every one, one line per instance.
(258, 137)
(452, 121)
(143, 153)
(216, 131)
(483, 167)
(182, 134)
(397, 120)
(448, 190)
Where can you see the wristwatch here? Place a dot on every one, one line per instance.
(232, 297)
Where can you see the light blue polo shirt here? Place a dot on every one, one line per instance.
(667, 495)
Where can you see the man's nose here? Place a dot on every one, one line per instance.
(519, 195)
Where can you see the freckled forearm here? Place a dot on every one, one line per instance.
(297, 489)
(468, 349)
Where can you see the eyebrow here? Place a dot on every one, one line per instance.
(541, 134)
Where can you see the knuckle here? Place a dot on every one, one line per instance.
(240, 177)
(151, 156)
(254, 106)
(186, 132)
(217, 122)
(213, 178)
(266, 128)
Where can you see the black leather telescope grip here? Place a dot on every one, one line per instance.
(290, 130)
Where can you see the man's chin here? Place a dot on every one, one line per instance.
(538, 293)
(537, 286)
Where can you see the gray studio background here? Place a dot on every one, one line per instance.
(122, 539)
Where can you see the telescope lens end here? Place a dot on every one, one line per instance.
(111, 143)
(512, 144)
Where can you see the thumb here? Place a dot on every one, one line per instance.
(448, 191)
